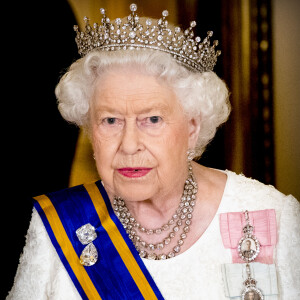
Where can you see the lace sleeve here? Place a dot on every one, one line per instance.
(34, 270)
(288, 259)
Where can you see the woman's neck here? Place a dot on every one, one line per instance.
(154, 213)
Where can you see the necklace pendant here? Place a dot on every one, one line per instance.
(248, 246)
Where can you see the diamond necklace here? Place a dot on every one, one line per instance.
(181, 218)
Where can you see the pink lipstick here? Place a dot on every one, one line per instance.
(134, 172)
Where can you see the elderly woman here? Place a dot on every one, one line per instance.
(157, 225)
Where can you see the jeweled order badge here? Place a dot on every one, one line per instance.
(249, 246)
(248, 249)
(251, 292)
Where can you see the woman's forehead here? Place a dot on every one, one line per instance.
(131, 83)
(133, 91)
(141, 106)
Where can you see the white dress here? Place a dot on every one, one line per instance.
(194, 274)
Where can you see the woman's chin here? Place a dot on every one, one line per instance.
(135, 188)
(136, 193)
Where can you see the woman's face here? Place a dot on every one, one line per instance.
(140, 137)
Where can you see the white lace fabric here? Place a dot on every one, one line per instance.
(193, 274)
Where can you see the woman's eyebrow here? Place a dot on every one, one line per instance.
(160, 108)
(144, 110)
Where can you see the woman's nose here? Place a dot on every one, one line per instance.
(131, 141)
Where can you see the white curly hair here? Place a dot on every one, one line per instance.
(203, 96)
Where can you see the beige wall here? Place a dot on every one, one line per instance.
(286, 45)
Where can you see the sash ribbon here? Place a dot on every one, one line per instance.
(119, 272)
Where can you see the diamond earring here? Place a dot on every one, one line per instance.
(190, 155)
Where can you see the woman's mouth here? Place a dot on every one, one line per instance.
(134, 172)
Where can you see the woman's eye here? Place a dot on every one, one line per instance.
(154, 119)
(110, 121)
(151, 124)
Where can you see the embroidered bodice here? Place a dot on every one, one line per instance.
(197, 273)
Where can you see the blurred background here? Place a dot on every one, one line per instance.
(260, 64)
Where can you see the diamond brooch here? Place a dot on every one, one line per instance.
(86, 235)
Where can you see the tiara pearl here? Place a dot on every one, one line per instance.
(137, 33)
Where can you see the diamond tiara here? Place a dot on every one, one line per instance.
(134, 32)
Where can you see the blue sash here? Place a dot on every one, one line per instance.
(119, 272)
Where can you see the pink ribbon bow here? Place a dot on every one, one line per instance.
(265, 230)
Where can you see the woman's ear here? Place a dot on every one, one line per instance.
(194, 129)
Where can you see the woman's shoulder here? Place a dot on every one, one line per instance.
(240, 193)
(39, 263)
(246, 193)
(38, 249)
(34, 261)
